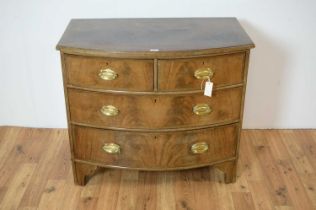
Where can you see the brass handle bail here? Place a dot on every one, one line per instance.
(107, 74)
(199, 148)
(111, 148)
(204, 73)
(109, 110)
(202, 109)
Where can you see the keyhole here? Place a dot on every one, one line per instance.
(155, 101)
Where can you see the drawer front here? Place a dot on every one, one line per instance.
(155, 150)
(154, 111)
(116, 74)
(179, 74)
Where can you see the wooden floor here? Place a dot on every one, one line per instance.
(277, 170)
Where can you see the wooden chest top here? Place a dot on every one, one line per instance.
(159, 37)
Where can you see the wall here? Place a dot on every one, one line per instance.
(281, 91)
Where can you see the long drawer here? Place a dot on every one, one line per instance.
(154, 111)
(155, 151)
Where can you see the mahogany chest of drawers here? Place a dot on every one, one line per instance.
(133, 90)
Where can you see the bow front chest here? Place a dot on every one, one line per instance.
(134, 93)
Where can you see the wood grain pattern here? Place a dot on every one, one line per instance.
(65, 80)
(160, 37)
(178, 74)
(35, 177)
(155, 151)
(153, 111)
(133, 75)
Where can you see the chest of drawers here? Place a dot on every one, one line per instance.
(134, 99)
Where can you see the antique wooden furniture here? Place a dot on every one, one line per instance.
(134, 98)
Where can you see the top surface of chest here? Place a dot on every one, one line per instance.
(154, 36)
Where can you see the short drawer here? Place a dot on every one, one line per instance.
(187, 74)
(108, 73)
(154, 111)
(156, 151)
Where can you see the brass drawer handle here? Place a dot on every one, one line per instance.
(109, 110)
(202, 109)
(107, 74)
(111, 148)
(199, 148)
(204, 73)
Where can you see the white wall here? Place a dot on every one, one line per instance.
(282, 77)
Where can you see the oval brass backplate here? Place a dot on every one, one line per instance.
(107, 74)
(199, 147)
(204, 73)
(202, 109)
(109, 110)
(111, 148)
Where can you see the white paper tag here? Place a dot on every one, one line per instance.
(208, 88)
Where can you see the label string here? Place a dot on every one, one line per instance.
(204, 80)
